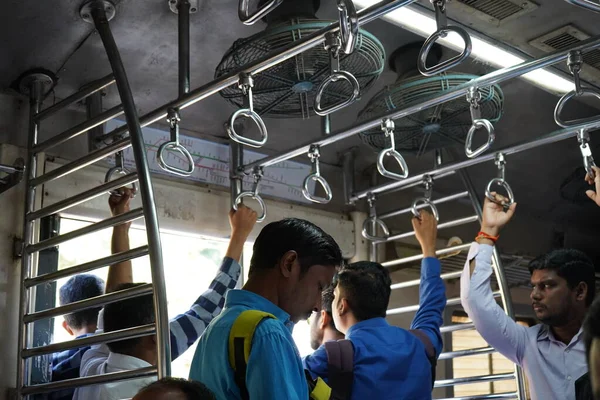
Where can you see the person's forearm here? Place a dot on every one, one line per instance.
(121, 272)
(236, 246)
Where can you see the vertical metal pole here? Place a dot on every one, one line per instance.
(183, 7)
(500, 275)
(236, 160)
(163, 341)
(348, 174)
(326, 125)
(373, 253)
(29, 227)
(93, 106)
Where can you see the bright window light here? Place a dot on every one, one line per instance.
(424, 25)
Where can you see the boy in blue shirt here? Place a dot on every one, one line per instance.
(389, 362)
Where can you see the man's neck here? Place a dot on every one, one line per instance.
(263, 286)
(85, 330)
(330, 334)
(566, 332)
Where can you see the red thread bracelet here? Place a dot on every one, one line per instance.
(483, 235)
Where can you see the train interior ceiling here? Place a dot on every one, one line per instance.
(548, 181)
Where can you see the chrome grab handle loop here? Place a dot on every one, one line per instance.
(442, 31)
(174, 146)
(119, 169)
(333, 44)
(574, 62)
(500, 181)
(387, 126)
(474, 98)
(367, 225)
(250, 19)
(246, 84)
(315, 175)
(253, 194)
(426, 200)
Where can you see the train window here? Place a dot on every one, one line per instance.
(485, 364)
(190, 261)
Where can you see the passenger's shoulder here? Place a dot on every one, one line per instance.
(271, 326)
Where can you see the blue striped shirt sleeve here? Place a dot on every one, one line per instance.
(186, 328)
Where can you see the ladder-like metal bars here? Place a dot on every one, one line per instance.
(503, 292)
(30, 230)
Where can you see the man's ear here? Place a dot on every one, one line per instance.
(343, 306)
(324, 320)
(286, 265)
(67, 328)
(581, 291)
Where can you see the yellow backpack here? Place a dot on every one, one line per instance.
(240, 345)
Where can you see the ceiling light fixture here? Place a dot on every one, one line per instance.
(419, 22)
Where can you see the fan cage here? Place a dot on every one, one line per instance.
(430, 129)
(288, 89)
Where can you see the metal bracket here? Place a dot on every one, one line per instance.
(18, 247)
(26, 82)
(86, 10)
(14, 177)
(174, 6)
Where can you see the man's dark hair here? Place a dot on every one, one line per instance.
(366, 286)
(81, 287)
(311, 243)
(327, 297)
(128, 314)
(571, 265)
(591, 326)
(191, 389)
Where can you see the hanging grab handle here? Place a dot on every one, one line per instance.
(373, 222)
(249, 19)
(387, 126)
(118, 169)
(348, 25)
(583, 138)
(314, 154)
(333, 44)
(574, 62)
(425, 201)
(474, 98)
(500, 181)
(253, 194)
(442, 31)
(246, 84)
(174, 146)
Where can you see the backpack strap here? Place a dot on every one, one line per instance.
(340, 364)
(429, 350)
(317, 388)
(240, 344)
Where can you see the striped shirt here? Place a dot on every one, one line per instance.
(185, 328)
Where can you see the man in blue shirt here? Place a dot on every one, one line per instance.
(292, 262)
(389, 362)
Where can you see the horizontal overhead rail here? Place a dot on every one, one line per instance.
(553, 137)
(107, 223)
(106, 337)
(438, 177)
(510, 395)
(449, 224)
(97, 301)
(76, 97)
(79, 129)
(82, 162)
(420, 206)
(365, 16)
(474, 379)
(450, 302)
(89, 266)
(457, 327)
(89, 380)
(445, 96)
(83, 197)
(441, 252)
(466, 353)
(416, 282)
